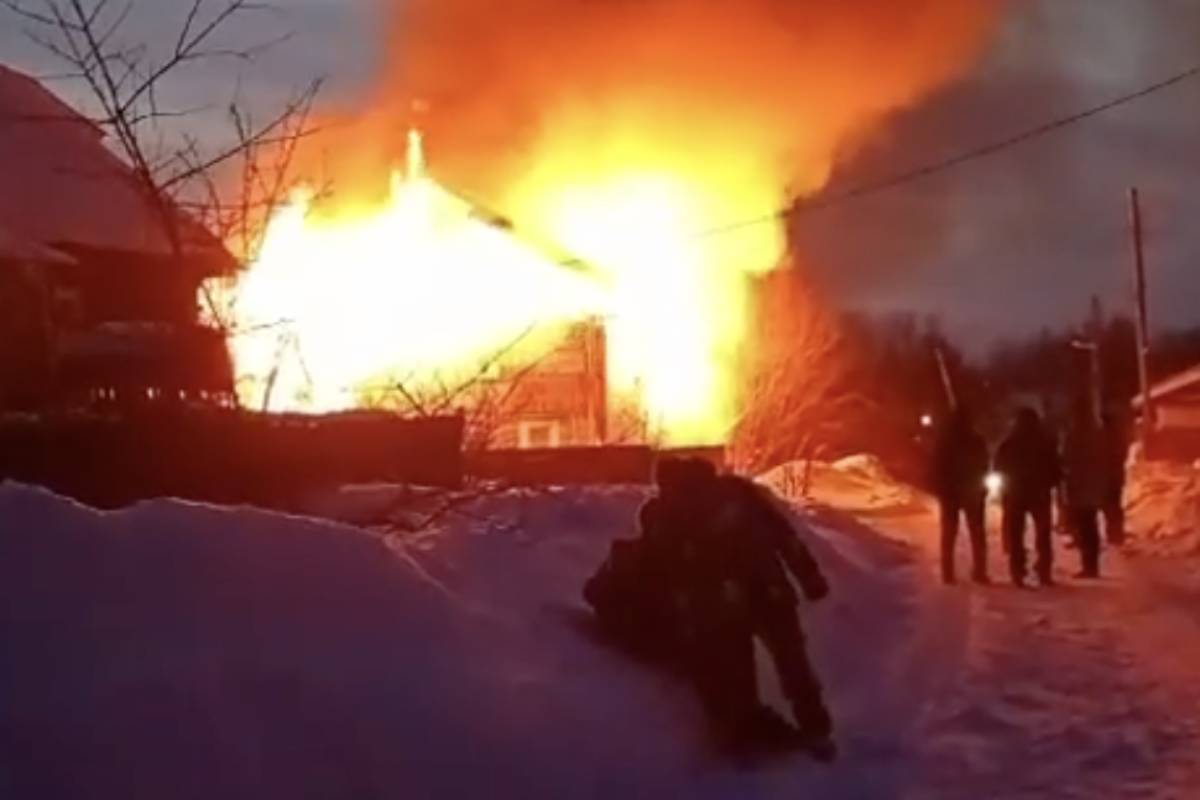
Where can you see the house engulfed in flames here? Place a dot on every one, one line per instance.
(559, 400)
(426, 305)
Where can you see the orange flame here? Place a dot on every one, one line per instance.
(419, 286)
(415, 287)
(620, 132)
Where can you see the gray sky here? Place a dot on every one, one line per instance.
(330, 39)
(1005, 245)
(999, 247)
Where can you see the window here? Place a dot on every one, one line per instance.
(538, 434)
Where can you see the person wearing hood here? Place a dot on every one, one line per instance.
(959, 472)
(1029, 463)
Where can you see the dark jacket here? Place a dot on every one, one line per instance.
(960, 464)
(1087, 457)
(759, 549)
(631, 600)
(1028, 460)
(1115, 434)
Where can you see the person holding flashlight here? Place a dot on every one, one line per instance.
(1030, 467)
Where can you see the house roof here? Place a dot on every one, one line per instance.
(63, 186)
(1186, 381)
(16, 248)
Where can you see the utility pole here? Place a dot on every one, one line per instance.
(1142, 327)
(947, 381)
(1095, 365)
(1090, 345)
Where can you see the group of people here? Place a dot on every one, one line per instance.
(712, 566)
(1087, 471)
(706, 576)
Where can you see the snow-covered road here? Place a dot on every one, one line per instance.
(174, 650)
(1085, 690)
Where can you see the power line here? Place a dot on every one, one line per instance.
(983, 151)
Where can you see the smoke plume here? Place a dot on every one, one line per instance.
(637, 134)
(753, 90)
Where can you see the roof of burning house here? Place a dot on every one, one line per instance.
(63, 186)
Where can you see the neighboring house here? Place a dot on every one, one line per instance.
(26, 339)
(1176, 403)
(102, 306)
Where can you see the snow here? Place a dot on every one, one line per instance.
(181, 650)
(1163, 507)
(858, 483)
(174, 649)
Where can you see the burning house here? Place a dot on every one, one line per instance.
(97, 305)
(665, 171)
(557, 400)
(423, 304)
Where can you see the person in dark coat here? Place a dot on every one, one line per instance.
(960, 465)
(630, 593)
(716, 640)
(667, 596)
(760, 548)
(1115, 433)
(1029, 464)
(1086, 464)
(705, 576)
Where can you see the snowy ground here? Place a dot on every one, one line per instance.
(1163, 501)
(174, 650)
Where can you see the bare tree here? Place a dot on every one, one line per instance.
(487, 394)
(230, 186)
(798, 393)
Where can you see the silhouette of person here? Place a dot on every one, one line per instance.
(959, 469)
(1029, 463)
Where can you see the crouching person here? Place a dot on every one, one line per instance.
(635, 593)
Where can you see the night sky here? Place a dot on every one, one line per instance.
(997, 248)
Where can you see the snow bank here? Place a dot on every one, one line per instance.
(179, 650)
(1163, 508)
(857, 484)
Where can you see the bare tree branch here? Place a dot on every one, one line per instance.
(172, 170)
(273, 133)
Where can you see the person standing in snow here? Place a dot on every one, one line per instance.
(668, 596)
(960, 464)
(711, 627)
(1087, 466)
(705, 576)
(1115, 433)
(759, 548)
(1029, 463)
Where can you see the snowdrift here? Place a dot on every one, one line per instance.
(1163, 507)
(856, 484)
(179, 650)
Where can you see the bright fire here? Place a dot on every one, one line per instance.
(415, 289)
(419, 287)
